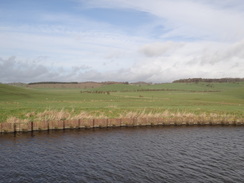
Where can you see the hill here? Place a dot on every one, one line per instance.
(221, 80)
(8, 92)
(112, 100)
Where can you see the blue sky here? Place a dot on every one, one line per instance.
(120, 40)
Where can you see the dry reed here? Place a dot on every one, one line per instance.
(165, 117)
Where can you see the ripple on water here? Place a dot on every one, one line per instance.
(158, 154)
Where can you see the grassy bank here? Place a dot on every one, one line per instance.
(222, 100)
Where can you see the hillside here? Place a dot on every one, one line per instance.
(8, 92)
(190, 87)
(113, 100)
(81, 85)
(221, 80)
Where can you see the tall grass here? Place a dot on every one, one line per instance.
(166, 116)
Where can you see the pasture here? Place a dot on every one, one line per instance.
(118, 100)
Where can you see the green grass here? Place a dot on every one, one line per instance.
(189, 97)
(166, 86)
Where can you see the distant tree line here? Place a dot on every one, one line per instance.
(145, 90)
(114, 82)
(221, 80)
(98, 92)
(91, 82)
(52, 82)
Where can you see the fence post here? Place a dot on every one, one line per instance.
(78, 123)
(32, 128)
(15, 131)
(48, 127)
(93, 121)
(63, 124)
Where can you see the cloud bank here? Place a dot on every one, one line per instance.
(89, 40)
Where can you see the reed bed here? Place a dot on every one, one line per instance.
(53, 120)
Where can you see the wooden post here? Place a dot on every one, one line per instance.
(63, 124)
(15, 131)
(93, 121)
(107, 123)
(32, 128)
(79, 123)
(48, 127)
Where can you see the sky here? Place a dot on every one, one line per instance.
(120, 40)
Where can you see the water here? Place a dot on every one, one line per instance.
(157, 154)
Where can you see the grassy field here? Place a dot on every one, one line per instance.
(116, 100)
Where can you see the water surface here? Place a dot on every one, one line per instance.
(152, 154)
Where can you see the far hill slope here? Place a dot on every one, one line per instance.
(113, 100)
(221, 80)
(191, 87)
(8, 92)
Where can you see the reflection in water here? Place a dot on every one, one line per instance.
(157, 154)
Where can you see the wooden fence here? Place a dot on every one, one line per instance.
(105, 123)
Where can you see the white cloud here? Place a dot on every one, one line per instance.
(68, 49)
(14, 70)
(193, 38)
(189, 18)
(160, 48)
(202, 59)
